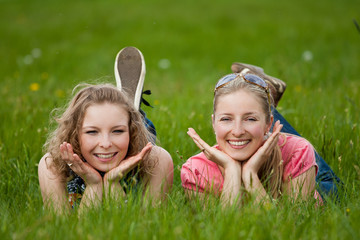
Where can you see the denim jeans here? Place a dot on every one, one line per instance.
(149, 125)
(326, 179)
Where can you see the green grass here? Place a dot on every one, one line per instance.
(78, 41)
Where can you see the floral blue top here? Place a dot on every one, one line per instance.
(76, 185)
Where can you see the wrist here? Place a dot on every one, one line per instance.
(111, 177)
(249, 178)
(248, 171)
(94, 185)
(114, 190)
(233, 166)
(233, 169)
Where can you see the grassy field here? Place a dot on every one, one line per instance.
(47, 47)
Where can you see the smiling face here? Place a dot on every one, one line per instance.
(104, 136)
(240, 124)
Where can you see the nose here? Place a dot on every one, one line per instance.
(105, 141)
(238, 129)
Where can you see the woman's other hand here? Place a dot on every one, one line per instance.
(81, 168)
(263, 153)
(127, 164)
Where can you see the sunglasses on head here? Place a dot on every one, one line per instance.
(249, 78)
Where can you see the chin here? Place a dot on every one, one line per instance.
(105, 168)
(240, 157)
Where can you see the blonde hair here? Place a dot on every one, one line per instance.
(70, 122)
(271, 171)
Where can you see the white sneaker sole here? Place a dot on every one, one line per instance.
(130, 73)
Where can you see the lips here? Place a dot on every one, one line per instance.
(238, 143)
(104, 157)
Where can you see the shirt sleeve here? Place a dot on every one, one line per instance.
(200, 174)
(300, 158)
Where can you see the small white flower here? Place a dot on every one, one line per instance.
(36, 53)
(28, 59)
(307, 56)
(164, 63)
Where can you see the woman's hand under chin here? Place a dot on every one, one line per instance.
(126, 165)
(84, 170)
(212, 153)
(253, 165)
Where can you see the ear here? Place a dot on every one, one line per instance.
(270, 124)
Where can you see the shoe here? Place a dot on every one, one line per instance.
(277, 86)
(130, 73)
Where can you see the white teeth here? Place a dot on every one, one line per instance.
(239, 143)
(105, 155)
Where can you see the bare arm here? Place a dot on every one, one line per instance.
(254, 186)
(52, 186)
(232, 184)
(303, 186)
(160, 181)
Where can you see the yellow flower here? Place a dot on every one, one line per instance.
(44, 75)
(60, 93)
(298, 88)
(34, 87)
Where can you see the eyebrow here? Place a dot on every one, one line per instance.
(245, 114)
(251, 113)
(116, 126)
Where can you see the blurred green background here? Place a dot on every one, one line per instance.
(47, 47)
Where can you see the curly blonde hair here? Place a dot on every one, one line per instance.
(271, 171)
(70, 121)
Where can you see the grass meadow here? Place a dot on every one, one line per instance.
(47, 47)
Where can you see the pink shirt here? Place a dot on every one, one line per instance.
(200, 173)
